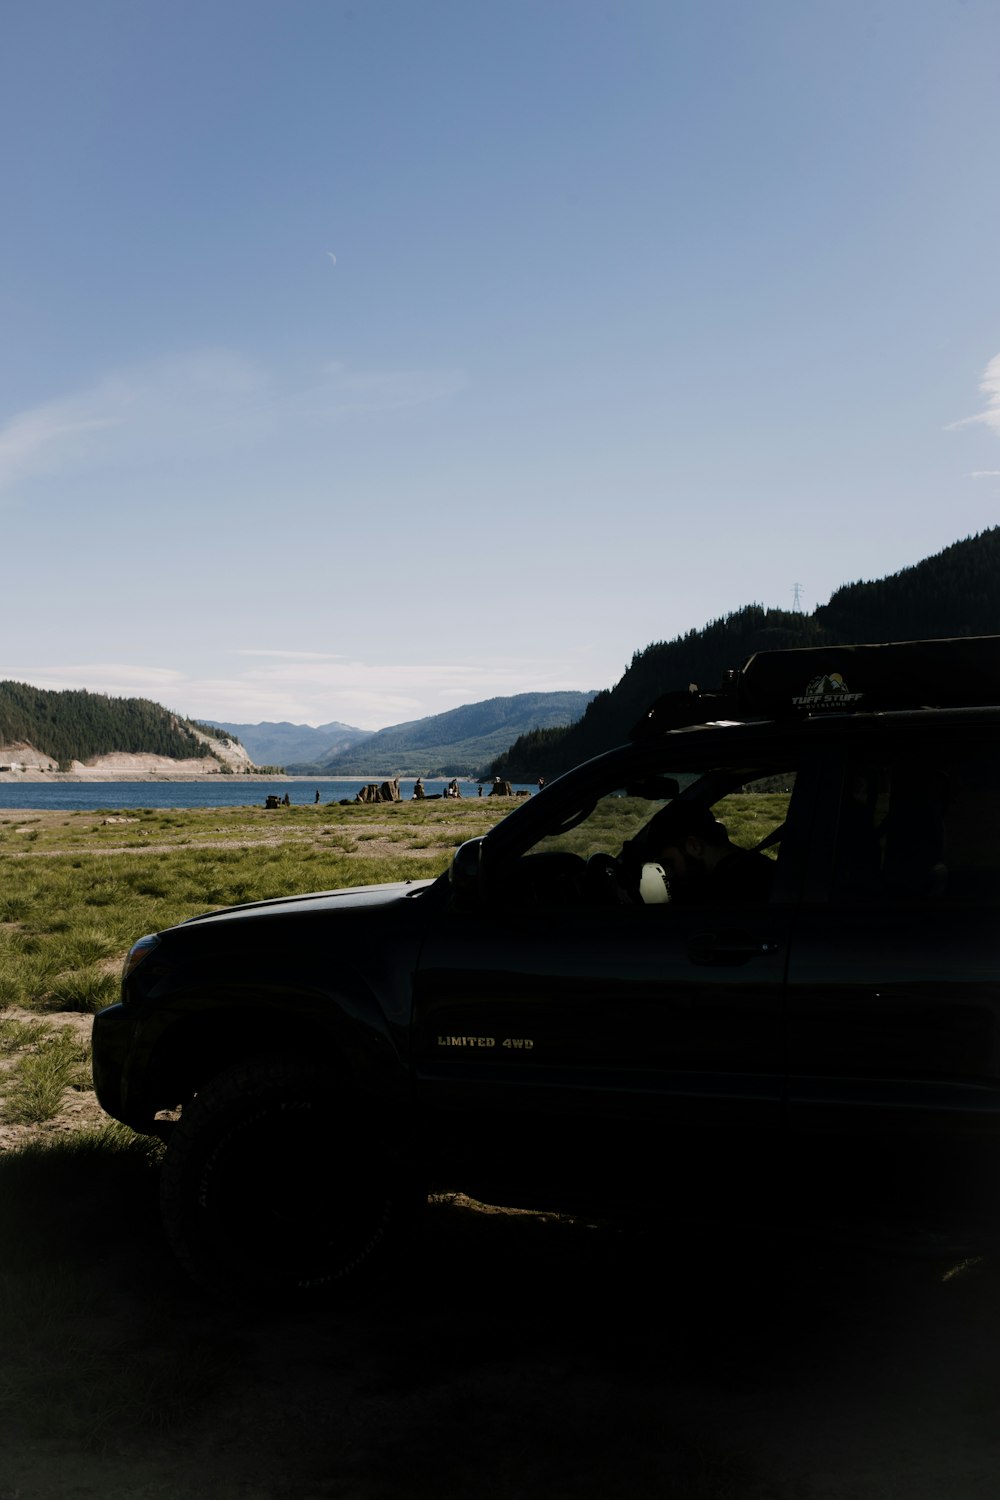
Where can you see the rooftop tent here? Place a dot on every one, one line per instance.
(960, 672)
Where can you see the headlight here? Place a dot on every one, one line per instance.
(138, 951)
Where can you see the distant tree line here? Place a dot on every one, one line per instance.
(76, 725)
(954, 593)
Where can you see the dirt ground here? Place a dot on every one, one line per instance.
(513, 1355)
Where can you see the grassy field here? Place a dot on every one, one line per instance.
(76, 889)
(519, 1355)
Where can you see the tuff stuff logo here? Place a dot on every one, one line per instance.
(829, 691)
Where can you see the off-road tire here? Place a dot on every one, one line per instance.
(277, 1186)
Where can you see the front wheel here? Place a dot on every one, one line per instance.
(275, 1185)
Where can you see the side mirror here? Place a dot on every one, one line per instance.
(465, 876)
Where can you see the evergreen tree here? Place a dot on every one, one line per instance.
(77, 725)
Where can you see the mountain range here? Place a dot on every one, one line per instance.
(954, 593)
(277, 744)
(456, 742)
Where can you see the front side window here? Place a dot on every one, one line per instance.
(684, 835)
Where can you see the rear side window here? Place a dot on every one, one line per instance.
(921, 829)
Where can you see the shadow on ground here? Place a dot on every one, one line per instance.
(517, 1355)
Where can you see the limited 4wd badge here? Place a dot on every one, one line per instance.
(518, 1043)
(828, 691)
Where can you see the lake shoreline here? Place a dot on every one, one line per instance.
(62, 778)
(75, 791)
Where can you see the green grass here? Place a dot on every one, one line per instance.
(53, 1062)
(750, 816)
(87, 990)
(16, 1035)
(78, 896)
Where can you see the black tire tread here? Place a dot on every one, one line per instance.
(250, 1082)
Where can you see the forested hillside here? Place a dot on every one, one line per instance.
(453, 743)
(955, 592)
(76, 725)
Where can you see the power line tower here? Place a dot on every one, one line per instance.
(797, 597)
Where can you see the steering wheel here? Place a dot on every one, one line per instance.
(608, 882)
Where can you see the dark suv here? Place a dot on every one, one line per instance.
(562, 1021)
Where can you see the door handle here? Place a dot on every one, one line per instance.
(729, 949)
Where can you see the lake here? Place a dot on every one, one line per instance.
(224, 791)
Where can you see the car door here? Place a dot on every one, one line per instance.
(894, 980)
(562, 1038)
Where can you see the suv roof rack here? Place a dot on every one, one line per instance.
(961, 672)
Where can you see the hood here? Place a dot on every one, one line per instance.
(315, 902)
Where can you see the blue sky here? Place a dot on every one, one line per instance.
(362, 360)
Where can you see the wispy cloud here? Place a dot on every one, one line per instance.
(130, 416)
(118, 679)
(387, 692)
(985, 474)
(990, 417)
(287, 655)
(39, 441)
(308, 687)
(211, 402)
